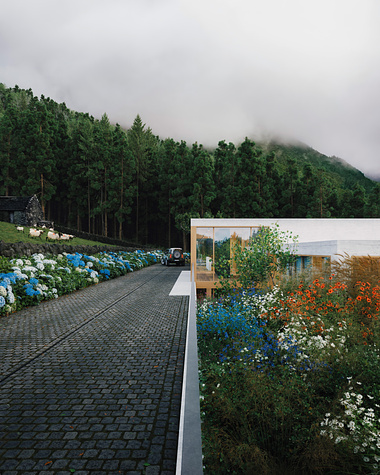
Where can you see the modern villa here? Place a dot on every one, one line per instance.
(319, 242)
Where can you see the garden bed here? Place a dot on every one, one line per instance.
(29, 280)
(290, 379)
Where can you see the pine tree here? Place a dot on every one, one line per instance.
(121, 188)
(202, 175)
(226, 169)
(249, 179)
(141, 142)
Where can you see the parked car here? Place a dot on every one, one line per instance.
(174, 255)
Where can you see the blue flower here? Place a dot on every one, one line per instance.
(30, 291)
(2, 301)
(9, 278)
(105, 272)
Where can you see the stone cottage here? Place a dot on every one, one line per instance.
(21, 210)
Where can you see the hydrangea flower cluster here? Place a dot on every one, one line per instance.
(7, 297)
(41, 277)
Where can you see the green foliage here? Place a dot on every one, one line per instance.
(268, 253)
(5, 265)
(97, 177)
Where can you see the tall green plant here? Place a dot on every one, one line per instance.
(269, 252)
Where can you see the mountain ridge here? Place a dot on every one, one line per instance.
(303, 154)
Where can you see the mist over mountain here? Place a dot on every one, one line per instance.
(303, 154)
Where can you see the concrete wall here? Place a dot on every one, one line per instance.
(189, 451)
(309, 229)
(331, 248)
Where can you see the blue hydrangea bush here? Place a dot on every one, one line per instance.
(28, 281)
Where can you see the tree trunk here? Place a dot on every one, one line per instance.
(42, 196)
(9, 161)
(146, 221)
(88, 206)
(121, 201)
(184, 239)
(169, 227)
(137, 211)
(105, 204)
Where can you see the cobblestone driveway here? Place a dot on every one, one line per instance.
(90, 383)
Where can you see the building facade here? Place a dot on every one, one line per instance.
(319, 242)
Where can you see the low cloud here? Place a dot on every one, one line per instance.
(208, 70)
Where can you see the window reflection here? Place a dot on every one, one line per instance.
(205, 251)
(240, 237)
(215, 250)
(223, 252)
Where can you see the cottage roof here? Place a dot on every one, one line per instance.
(14, 203)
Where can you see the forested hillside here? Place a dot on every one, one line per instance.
(94, 176)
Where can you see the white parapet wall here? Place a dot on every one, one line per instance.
(318, 241)
(307, 229)
(360, 247)
(316, 236)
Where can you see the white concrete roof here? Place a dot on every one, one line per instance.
(332, 248)
(308, 229)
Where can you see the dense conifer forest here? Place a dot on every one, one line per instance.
(130, 184)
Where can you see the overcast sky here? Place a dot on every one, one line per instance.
(208, 70)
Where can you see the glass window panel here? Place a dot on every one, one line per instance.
(306, 262)
(299, 264)
(223, 252)
(215, 250)
(239, 237)
(204, 257)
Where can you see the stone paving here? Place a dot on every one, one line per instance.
(90, 383)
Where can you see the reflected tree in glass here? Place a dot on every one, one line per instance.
(222, 253)
(204, 250)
